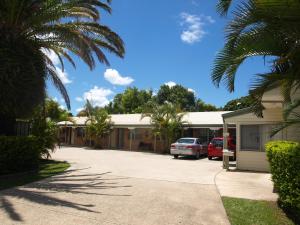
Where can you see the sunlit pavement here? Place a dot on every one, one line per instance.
(119, 187)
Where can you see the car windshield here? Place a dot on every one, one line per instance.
(217, 142)
(186, 141)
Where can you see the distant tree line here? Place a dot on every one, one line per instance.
(134, 100)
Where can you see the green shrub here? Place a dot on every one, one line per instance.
(18, 154)
(47, 132)
(284, 158)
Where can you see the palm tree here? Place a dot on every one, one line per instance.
(29, 29)
(167, 120)
(261, 28)
(98, 125)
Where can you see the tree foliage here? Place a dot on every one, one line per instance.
(131, 101)
(167, 120)
(201, 106)
(46, 130)
(30, 29)
(239, 103)
(54, 111)
(99, 124)
(177, 95)
(134, 100)
(266, 28)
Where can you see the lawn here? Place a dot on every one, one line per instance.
(252, 212)
(47, 168)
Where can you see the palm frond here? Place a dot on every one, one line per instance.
(53, 76)
(223, 7)
(66, 27)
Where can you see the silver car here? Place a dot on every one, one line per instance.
(188, 147)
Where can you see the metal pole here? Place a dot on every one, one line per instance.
(225, 135)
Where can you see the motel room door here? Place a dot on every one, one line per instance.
(120, 138)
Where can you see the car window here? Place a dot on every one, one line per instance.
(217, 142)
(185, 141)
(198, 142)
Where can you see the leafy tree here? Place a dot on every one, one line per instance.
(45, 130)
(167, 120)
(177, 95)
(204, 107)
(115, 107)
(239, 103)
(98, 125)
(55, 112)
(134, 99)
(131, 101)
(261, 28)
(28, 31)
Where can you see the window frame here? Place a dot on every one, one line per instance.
(259, 134)
(262, 140)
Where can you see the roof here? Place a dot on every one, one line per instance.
(201, 119)
(192, 119)
(237, 112)
(65, 123)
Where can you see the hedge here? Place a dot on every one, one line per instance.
(284, 158)
(18, 154)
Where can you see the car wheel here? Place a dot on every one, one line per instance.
(197, 155)
(175, 156)
(209, 158)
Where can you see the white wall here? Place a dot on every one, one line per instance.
(254, 160)
(257, 160)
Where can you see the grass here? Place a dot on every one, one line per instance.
(252, 212)
(47, 168)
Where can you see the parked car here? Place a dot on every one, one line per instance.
(215, 147)
(188, 147)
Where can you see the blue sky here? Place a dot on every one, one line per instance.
(166, 41)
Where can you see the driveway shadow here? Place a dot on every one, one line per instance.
(72, 181)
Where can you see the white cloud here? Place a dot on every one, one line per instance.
(170, 84)
(114, 77)
(52, 56)
(191, 90)
(98, 96)
(55, 99)
(194, 27)
(79, 99)
(56, 62)
(62, 107)
(63, 76)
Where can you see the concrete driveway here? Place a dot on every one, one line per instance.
(119, 187)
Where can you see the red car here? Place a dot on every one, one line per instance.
(215, 147)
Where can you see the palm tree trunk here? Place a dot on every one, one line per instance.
(7, 125)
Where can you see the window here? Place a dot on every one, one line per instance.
(186, 141)
(217, 142)
(254, 137)
(250, 138)
(80, 132)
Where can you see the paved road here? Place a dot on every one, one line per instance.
(116, 187)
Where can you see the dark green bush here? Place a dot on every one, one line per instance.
(284, 158)
(47, 132)
(18, 154)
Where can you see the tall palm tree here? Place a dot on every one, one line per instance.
(267, 28)
(167, 120)
(31, 28)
